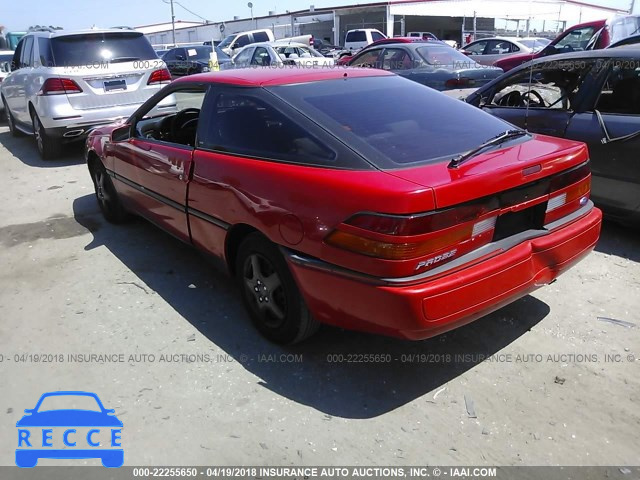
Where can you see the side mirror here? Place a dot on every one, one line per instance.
(28, 410)
(465, 52)
(121, 134)
(109, 411)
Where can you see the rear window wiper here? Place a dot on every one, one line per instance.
(124, 59)
(463, 157)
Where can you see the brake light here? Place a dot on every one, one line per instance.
(442, 234)
(159, 76)
(59, 86)
(567, 201)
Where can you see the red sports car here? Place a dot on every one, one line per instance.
(355, 198)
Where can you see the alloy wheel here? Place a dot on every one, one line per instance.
(265, 290)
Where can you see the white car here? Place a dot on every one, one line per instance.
(63, 84)
(359, 38)
(489, 50)
(271, 54)
(232, 44)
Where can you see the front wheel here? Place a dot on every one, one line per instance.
(48, 146)
(106, 194)
(270, 293)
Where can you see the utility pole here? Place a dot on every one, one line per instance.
(173, 24)
(633, 4)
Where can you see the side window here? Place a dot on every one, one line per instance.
(260, 37)
(173, 119)
(476, 48)
(396, 59)
(498, 47)
(261, 57)
(368, 59)
(170, 55)
(44, 50)
(26, 58)
(549, 85)
(621, 92)
(245, 125)
(375, 36)
(242, 41)
(15, 63)
(243, 57)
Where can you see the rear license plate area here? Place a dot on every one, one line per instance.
(512, 223)
(111, 85)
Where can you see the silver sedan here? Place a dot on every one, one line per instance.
(489, 50)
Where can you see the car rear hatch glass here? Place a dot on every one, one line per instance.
(393, 122)
(111, 68)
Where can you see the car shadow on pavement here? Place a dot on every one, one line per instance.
(619, 240)
(326, 371)
(24, 149)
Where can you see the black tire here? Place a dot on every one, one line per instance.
(106, 194)
(270, 293)
(10, 120)
(48, 146)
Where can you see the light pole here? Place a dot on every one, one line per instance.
(250, 5)
(173, 25)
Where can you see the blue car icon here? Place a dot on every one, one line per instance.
(60, 433)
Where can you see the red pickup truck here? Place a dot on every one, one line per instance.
(585, 36)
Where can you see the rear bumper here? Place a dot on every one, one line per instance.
(436, 305)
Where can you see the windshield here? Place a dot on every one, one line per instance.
(69, 402)
(624, 27)
(535, 44)
(91, 48)
(227, 41)
(301, 51)
(577, 39)
(391, 120)
(442, 55)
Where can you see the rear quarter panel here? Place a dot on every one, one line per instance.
(293, 205)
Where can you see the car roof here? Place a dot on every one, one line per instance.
(67, 33)
(260, 77)
(7, 52)
(283, 42)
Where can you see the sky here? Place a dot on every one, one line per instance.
(74, 14)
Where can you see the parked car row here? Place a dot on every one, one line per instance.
(508, 53)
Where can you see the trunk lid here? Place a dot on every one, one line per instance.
(517, 163)
(120, 84)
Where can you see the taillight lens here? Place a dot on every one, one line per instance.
(449, 233)
(159, 76)
(567, 200)
(59, 86)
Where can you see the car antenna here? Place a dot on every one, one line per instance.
(526, 113)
